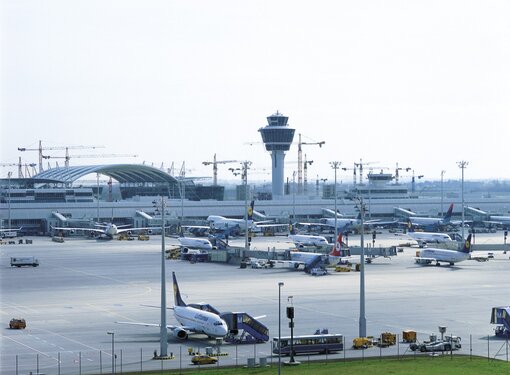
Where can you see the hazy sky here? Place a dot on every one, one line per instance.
(421, 83)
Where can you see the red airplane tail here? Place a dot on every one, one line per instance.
(338, 250)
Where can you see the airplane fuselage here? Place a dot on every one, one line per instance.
(306, 240)
(443, 255)
(195, 243)
(201, 321)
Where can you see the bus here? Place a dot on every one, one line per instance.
(320, 343)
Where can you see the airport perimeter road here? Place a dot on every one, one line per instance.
(83, 286)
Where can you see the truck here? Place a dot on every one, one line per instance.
(24, 261)
(17, 323)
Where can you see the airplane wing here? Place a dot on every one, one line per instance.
(124, 230)
(96, 230)
(168, 326)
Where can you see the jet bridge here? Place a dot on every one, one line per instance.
(244, 329)
(501, 316)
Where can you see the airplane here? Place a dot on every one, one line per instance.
(424, 238)
(105, 230)
(344, 224)
(194, 249)
(302, 240)
(224, 223)
(9, 232)
(433, 223)
(193, 318)
(191, 243)
(429, 255)
(486, 218)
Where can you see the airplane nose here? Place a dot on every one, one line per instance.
(223, 330)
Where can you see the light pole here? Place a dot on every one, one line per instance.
(462, 165)
(246, 165)
(113, 351)
(362, 318)
(442, 174)
(335, 165)
(294, 196)
(9, 174)
(163, 352)
(280, 284)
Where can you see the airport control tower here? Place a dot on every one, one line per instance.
(277, 137)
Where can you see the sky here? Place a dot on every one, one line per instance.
(424, 84)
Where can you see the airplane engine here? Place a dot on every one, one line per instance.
(296, 265)
(184, 250)
(180, 334)
(129, 233)
(73, 231)
(149, 231)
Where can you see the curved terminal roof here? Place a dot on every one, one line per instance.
(123, 173)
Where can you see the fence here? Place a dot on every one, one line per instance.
(133, 361)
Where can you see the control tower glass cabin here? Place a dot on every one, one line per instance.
(277, 138)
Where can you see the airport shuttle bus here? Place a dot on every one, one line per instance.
(322, 343)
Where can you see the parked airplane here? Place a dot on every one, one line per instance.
(194, 243)
(302, 240)
(483, 217)
(344, 224)
(194, 318)
(424, 238)
(105, 230)
(224, 223)
(429, 255)
(9, 232)
(434, 223)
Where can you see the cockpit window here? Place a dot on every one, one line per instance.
(218, 323)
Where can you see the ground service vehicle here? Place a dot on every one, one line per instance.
(24, 261)
(17, 323)
(362, 342)
(322, 343)
(449, 343)
(203, 359)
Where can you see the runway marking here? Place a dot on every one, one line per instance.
(31, 348)
(148, 289)
(67, 338)
(108, 311)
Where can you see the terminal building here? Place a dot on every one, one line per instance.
(57, 197)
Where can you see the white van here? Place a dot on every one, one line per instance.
(24, 261)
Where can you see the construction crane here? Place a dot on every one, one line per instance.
(40, 149)
(397, 169)
(360, 166)
(20, 167)
(305, 173)
(215, 163)
(300, 161)
(68, 157)
(354, 173)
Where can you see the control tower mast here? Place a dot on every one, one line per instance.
(277, 138)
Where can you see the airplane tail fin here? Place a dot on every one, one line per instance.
(250, 210)
(292, 228)
(177, 294)
(448, 215)
(467, 245)
(338, 250)
(410, 227)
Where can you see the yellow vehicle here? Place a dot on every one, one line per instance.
(362, 342)
(342, 269)
(143, 237)
(203, 359)
(17, 323)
